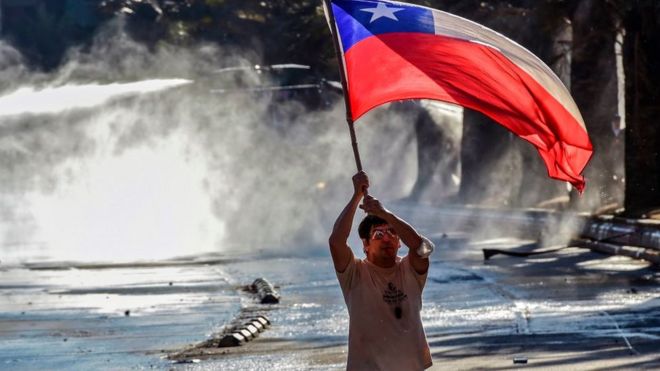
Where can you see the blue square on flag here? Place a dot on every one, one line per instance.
(369, 18)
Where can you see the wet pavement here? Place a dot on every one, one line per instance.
(568, 309)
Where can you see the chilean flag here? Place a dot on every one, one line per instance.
(394, 51)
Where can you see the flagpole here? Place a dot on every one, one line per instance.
(344, 85)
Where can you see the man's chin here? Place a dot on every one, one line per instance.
(389, 251)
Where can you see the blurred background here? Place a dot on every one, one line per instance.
(134, 129)
(156, 156)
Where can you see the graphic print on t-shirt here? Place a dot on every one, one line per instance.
(392, 295)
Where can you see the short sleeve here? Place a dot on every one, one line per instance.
(346, 278)
(420, 278)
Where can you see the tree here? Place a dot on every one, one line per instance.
(641, 59)
(594, 86)
(495, 165)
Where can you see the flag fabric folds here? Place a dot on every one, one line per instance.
(393, 51)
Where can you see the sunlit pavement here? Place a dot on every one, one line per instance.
(107, 318)
(571, 309)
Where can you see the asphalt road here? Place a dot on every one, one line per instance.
(570, 309)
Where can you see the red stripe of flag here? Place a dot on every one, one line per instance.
(397, 66)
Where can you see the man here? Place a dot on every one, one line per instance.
(383, 293)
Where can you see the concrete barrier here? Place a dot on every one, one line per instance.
(534, 223)
(232, 340)
(245, 333)
(649, 255)
(621, 231)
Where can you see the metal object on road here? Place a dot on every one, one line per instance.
(520, 360)
(266, 292)
(488, 253)
(186, 361)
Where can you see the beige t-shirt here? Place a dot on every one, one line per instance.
(377, 339)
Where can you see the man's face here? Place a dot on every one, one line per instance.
(383, 243)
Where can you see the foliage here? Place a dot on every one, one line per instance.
(279, 31)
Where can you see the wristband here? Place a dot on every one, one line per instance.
(425, 248)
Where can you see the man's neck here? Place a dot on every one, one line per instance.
(382, 262)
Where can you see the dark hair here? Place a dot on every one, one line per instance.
(367, 222)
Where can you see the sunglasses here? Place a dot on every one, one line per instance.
(379, 234)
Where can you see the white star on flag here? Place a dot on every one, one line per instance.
(381, 10)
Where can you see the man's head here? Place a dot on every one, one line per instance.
(380, 241)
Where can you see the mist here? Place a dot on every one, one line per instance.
(124, 153)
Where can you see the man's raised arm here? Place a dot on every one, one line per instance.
(339, 249)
